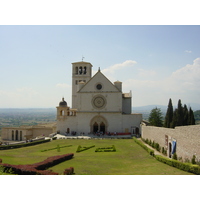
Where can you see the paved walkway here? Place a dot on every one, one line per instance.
(155, 151)
(59, 136)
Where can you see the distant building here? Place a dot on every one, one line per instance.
(97, 105)
(23, 133)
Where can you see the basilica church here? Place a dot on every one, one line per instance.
(98, 105)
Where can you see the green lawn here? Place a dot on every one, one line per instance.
(129, 159)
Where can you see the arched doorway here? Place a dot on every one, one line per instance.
(98, 123)
(16, 135)
(102, 127)
(13, 138)
(20, 135)
(170, 149)
(95, 127)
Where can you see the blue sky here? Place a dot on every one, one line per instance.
(154, 62)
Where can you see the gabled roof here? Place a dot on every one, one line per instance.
(99, 77)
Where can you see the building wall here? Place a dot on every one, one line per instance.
(187, 139)
(20, 133)
(115, 122)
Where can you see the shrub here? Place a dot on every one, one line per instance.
(69, 171)
(193, 161)
(106, 149)
(38, 168)
(195, 169)
(150, 151)
(23, 144)
(79, 148)
(174, 156)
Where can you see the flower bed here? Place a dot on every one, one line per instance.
(69, 171)
(38, 168)
(106, 149)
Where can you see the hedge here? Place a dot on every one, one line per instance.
(55, 148)
(23, 144)
(195, 169)
(37, 168)
(80, 148)
(69, 171)
(106, 149)
(150, 151)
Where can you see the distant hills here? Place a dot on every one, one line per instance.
(148, 108)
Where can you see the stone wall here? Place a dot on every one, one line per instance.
(187, 139)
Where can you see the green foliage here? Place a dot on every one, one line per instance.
(181, 116)
(193, 159)
(80, 148)
(152, 144)
(191, 119)
(150, 151)
(169, 115)
(174, 156)
(106, 149)
(155, 117)
(58, 148)
(55, 148)
(23, 144)
(195, 169)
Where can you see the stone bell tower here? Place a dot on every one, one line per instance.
(81, 74)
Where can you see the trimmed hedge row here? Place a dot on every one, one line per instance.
(38, 168)
(55, 148)
(80, 148)
(188, 167)
(150, 151)
(106, 149)
(23, 144)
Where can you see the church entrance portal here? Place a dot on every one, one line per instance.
(98, 124)
(102, 127)
(95, 127)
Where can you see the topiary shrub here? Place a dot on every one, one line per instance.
(174, 156)
(193, 161)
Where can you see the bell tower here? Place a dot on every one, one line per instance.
(81, 73)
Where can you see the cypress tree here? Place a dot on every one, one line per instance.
(174, 120)
(169, 115)
(191, 120)
(179, 114)
(185, 115)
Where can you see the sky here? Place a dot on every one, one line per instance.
(154, 62)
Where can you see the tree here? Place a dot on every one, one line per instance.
(169, 115)
(185, 115)
(191, 120)
(155, 117)
(179, 114)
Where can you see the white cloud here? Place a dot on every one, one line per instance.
(183, 83)
(188, 75)
(146, 73)
(187, 51)
(63, 85)
(114, 68)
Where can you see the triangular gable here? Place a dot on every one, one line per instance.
(99, 78)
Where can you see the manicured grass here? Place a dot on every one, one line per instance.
(129, 158)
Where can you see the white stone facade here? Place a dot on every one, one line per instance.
(97, 105)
